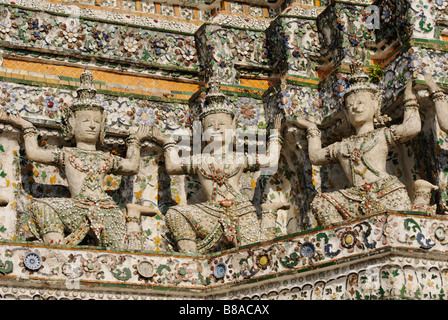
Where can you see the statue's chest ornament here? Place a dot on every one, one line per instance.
(91, 163)
(220, 178)
(228, 220)
(356, 156)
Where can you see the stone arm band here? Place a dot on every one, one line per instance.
(132, 140)
(312, 133)
(438, 95)
(29, 131)
(275, 137)
(168, 145)
(410, 103)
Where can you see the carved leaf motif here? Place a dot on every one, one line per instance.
(428, 244)
(415, 225)
(123, 275)
(290, 261)
(6, 267)
(322, 235)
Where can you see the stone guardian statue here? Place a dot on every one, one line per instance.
(363, 155)
(227, 218)
(68, 220)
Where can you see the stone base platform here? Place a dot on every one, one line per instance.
(383, 256)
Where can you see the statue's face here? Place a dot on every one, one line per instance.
(87, 125)
(218, 123)
(360, 107)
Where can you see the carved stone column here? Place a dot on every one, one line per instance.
(293, 47)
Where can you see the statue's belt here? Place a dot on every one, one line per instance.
(379, 188)
(218, 209)
(227, 214)
(89, 213)
(366, 196)
(94, 211)
(238, 209)
(95, 203)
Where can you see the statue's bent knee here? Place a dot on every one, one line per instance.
(179, 226)
(45, 219)
(324, 211)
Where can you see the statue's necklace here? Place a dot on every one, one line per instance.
(88, 162)
(357, 155)
(221, 178)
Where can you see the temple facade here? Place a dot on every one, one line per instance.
(123, 199)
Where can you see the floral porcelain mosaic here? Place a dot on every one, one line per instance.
(223, 150)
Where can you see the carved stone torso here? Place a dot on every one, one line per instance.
(363, 157)
(85, 171)
(220, 179)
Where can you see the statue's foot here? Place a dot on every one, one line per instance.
(53, 238)
(274, 206)
(187, 246)
(3, 201)
(136, 210)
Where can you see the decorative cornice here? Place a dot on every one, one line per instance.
(241, 21)
(317, 249)
(102, 15)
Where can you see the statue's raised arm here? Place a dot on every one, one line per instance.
(33, 151)
(130, 164)
(318, 155)
(440, 101)
(411, 124)
(173, 164)
(274, 145)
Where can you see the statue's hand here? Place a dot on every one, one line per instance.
(277, 122)
(158, 137)
(408, 93)
(142, 132)
(303, 123)
(14, 119)
(430, 82)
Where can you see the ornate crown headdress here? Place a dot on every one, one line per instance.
(215, 102)
(359, 80)
(86, 94)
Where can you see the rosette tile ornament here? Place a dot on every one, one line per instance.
(220, 270)
(32, 261)
(307, 250)
(145, 269)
